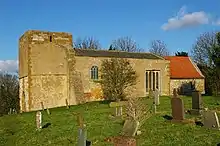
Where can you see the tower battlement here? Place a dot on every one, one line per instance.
(37, 36)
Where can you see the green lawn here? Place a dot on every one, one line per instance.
(21, 129)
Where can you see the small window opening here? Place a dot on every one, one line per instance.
(50, 38)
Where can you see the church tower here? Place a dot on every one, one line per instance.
(44, 67)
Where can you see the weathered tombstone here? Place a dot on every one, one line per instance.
(39, 120)
(67, 105)
(156, 97)
(42, 106)
(196, 103)
(177, 108)
(118, 107)
(130, 128)
(210, 120)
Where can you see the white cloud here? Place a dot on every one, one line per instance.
(184, 19)
(8, 65)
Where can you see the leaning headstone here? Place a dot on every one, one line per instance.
(39, 120)
(177, 109)
(210, 120)
(130, 128)
(156, 97)
(196, 103)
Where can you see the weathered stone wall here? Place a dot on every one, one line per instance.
(185, 83)
(23, 94)
(49, 89)
(84, 64)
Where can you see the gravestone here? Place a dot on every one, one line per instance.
(39, 120)
(130, 128)
(210, 120)
(118, 107)
(177, 108)
(156, 97)
(196, 103)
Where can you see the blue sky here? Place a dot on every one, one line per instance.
(176, 22)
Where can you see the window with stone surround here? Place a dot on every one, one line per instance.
(152, 80)
(94, 73)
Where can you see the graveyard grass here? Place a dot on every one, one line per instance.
(61, 126)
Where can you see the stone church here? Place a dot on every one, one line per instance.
(53, 73)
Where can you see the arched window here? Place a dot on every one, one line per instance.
(94, 72)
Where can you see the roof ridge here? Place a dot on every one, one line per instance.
(117, 51)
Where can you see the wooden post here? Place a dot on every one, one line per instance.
(48, 111)
(67, 105)
(42, 106)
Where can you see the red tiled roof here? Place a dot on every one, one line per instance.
(183, 68)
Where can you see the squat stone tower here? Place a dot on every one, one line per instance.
(46, 61)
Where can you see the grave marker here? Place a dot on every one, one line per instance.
(118, 107)
(210, 120)
(177, 108)
(130, 128)
(196, 103)
(156, 97)
(39, 120)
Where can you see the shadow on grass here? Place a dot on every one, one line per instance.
(105, 102)
(46, 125)
(167, 117)
(199, 123)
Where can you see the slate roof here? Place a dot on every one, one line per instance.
(183, 68)
(107, 53)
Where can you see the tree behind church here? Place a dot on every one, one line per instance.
(126, 44)
(116, 76)
(87, 43)
(9, 93)
(158, 47)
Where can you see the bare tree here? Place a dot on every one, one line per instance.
(87, 43)
(117, 75)
(158, 47)
(125, 44)
(202, 49)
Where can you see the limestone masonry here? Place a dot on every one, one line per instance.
(52, 71)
